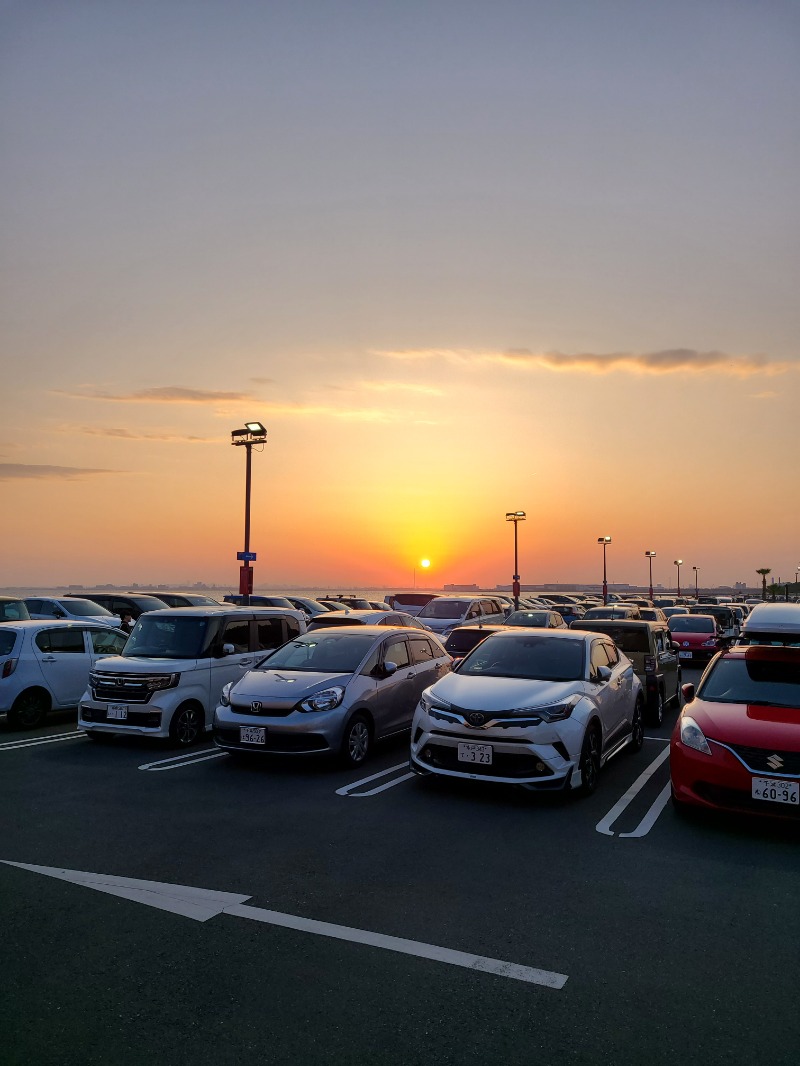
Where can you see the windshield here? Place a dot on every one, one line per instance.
(159, 637)
(322, 653)
(775, 683)
(461, 641)
(84, 608)
(691, 623)
(534, 658)
(527, 618)
(627, 640)
(444, 609)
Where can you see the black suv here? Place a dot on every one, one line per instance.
(123, 603)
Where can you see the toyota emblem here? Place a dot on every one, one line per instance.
(476, 718)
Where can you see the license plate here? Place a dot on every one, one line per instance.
(775, 790)
(684, 655)
(252, 734)
(481, 753)
(117, 710)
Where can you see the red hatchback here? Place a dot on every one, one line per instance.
(697, 636)
(736, 744)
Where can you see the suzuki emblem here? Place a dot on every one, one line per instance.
(774, 762)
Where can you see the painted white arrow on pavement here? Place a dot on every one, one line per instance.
(202, 904)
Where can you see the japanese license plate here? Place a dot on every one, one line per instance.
(117, 710)
(252, 734)
(684, 655)
(480, 753)
(776, 790)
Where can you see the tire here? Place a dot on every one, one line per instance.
(655, 710)
(29, 709)
(186, 726)
(356, 742)
(637, 727)
(590, 761)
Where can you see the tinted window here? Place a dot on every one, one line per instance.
(237, 633)
(397, 653)
(421, 651)
(444, 609)
(61, 641)
(82, 608)
(531, 657)
(107, 642)
(690, 623)
(165, 637)
(269, 634)
(461, 641)
(7, 638)
(528, 618)
(34, 606)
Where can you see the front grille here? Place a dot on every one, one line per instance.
(123, 688)
(275, 742)
(265, 711)
(146, 719)
(756, 759)
(504, 764)
(735, 799)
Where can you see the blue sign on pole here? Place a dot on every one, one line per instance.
(246, 557)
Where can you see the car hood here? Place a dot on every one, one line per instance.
(502, 693)
(119, 664)
(285, 684)
(751, 725)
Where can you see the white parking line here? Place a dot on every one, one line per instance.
(12, 745)
(177, 762)
(604, 825)
(649, 820)
(346, 790)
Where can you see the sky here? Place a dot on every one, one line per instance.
(459, 258)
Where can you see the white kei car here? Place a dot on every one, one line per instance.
(45, 666)
(543, 708)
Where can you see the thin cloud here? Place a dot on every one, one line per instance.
(767, 395)
(263, 381)
(399, 386)
(119, 433)
(31, 471)
(300, 410)
(163, 394)
(667, 361)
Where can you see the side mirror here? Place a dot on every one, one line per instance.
(228, 649)
(57, 613)
(687, 691)
(456, 662)
(674, 647)
(387, 670)
(603, 675)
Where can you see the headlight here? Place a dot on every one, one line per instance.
(225, 695)
(323, 701)
(692, 735)
(162, 681)
(556, 712)
(431, 702)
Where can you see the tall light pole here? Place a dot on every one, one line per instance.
(253, 433)
(696, 572)
(516, 517)
(605, 541)
(650, 557)
(679, 564)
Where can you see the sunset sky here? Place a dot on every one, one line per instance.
(460, 258)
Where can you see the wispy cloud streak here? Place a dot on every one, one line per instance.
(162, 394)
(32, 471)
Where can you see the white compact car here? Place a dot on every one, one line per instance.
(169, 678)
(540, 708)
(45, 665)
(70, 608)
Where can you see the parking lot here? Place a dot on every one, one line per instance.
(371, 917)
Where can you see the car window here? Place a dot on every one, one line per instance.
(34, 606)
(237, 633)
(7, 639)
(13, 611)
(421, 651)
(397, 653)
(599, 656)
(107, 642)
(269, 634)
(320, 652)
(61, 641)
(613, 654)
(291, 627)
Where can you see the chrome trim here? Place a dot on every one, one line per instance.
(750, 770)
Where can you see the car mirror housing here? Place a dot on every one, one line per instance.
(687, 691)
(228, 649)
(386, 670)
(603, 675)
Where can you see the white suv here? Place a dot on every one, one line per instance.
(45, 665)
(169, 678)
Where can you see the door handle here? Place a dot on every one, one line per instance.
(409, 676)
(245, 662)
(48, 658)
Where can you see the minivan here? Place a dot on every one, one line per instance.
(444, 613)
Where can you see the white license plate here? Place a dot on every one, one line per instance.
(684, 655)
(481, 753)
(775, 790)
(117, 710)
(252, 734)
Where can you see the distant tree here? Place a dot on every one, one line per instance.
(764, 571)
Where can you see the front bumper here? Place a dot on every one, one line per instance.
(296, 733)
(720, 782)
(144, 720)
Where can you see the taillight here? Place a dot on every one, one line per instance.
(9, 666)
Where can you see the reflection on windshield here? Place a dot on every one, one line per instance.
(691, 623)
(167, 638)
(532, 658)
(321, 653)
(84, 608)
(443, 609)
(770, 683)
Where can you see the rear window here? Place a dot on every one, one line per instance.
(627, 640)
(7, 638)
(691, 623)
(13, 611)
(461, 641)
(444, 609)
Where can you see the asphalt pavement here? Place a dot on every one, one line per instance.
(378, 918)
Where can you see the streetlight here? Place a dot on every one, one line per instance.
(253, 433)
(650, 556)
(679, 564)
(604, 541)
(696, 572)
(515, 517)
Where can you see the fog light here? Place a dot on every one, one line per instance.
(540, 767)
(426, 754)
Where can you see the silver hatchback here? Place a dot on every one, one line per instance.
(332, 691)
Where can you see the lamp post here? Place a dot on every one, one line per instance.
(516, 517)
(604, 541)
(253, 433)
(696, 591)
(679, 564)
(650, 556)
